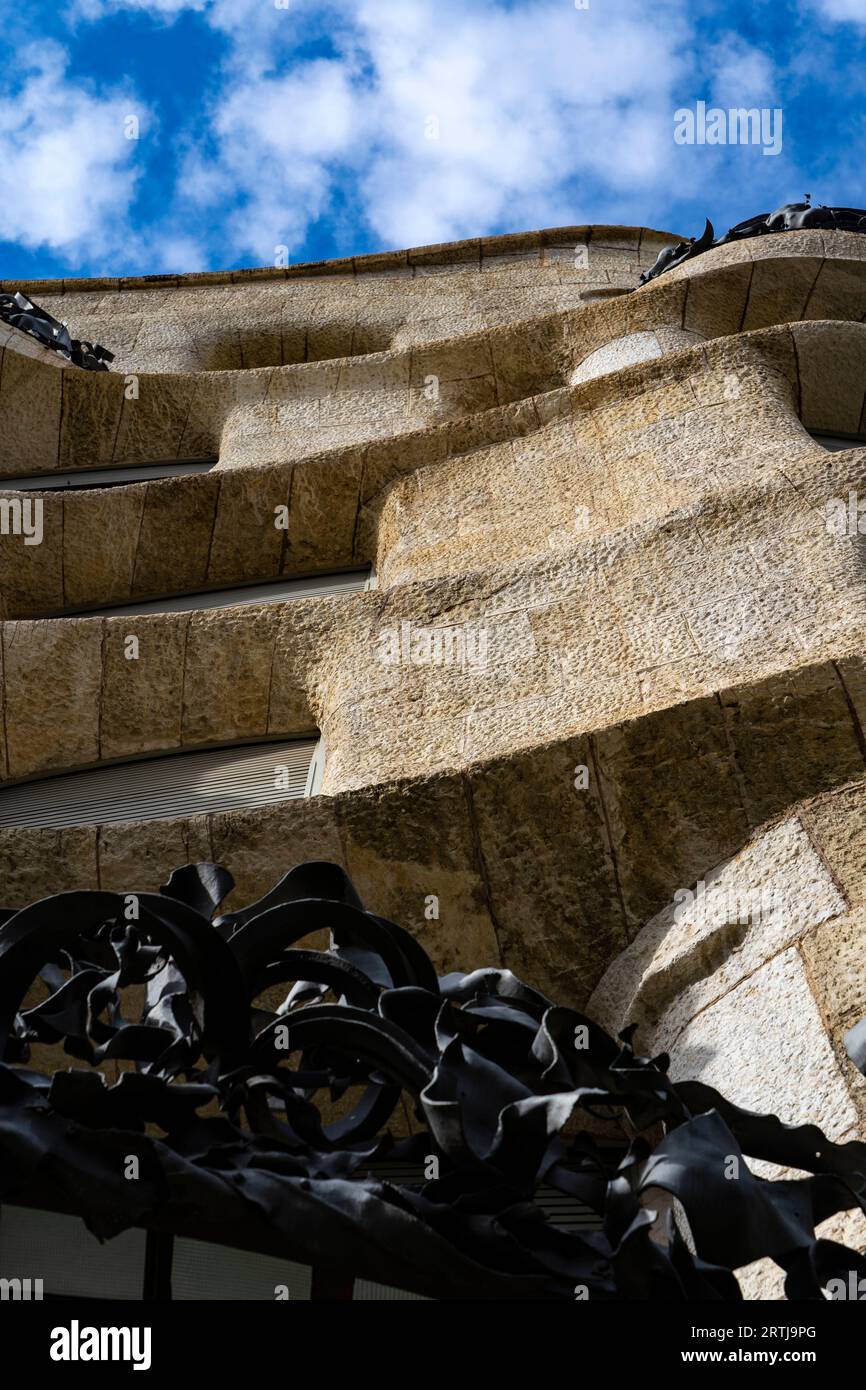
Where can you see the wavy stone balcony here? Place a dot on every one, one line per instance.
(588, 460)
(63, 419)
(673, 670)
(646, 551)
(341, 309)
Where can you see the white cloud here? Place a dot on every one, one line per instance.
(519, 102)
(841, 11)
(533, 108)
(279, 143)
(742, 75)
(173, 252)
(68, 168)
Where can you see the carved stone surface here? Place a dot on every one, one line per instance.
(673, 634)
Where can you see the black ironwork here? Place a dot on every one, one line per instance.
(507, 1088)
(20, 312)
(792, 217)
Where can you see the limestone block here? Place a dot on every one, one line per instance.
(213, 398)
(251, 434)
(780, 290)
(411, 855)
(31, 576)
(153, 419)
(301, 381)
(322, 515)
(227, 674)
(259, 846)
(717, 300)
(100, 537)
(671, 790)
(837, 824)
(793, 737)
(36, 862)
(838, 292)
(290, 707)
(260, 344)
(246, 543)
(143, 683)
(30, 396)
(831, 359)
(493, 426)
(535, 363)
(133, 855)
(92, 406)
(562, 819)
(51, 667)
(175, 537)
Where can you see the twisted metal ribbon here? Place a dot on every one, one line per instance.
(509, 1093)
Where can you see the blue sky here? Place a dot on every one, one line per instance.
(293, 130)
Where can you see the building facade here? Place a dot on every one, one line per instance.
(533, 599)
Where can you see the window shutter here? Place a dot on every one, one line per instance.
(561, 1209)
(59, 1250)
(278, 591)
(104, 477)
(201, 1271)
(180, 784)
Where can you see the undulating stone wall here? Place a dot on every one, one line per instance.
(614, 642)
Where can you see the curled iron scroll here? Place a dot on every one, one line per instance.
(21, 313)
(792, 217)
(505, 1092)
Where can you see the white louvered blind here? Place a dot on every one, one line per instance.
(366, 1291)
(562, 1210)
(104, 477)
(181, 784)
(310, 586)
(201, 1270)
(59, 1250)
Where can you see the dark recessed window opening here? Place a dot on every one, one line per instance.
(170, 785)
(78, 479)
(146, 1266)
(838, 441)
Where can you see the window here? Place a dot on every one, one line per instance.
(175, 784)
(200, 1270)
(144, 1265)
(274, 591)
(79, 478)
(71, 1263)
(839, 441)
(562, 1210)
